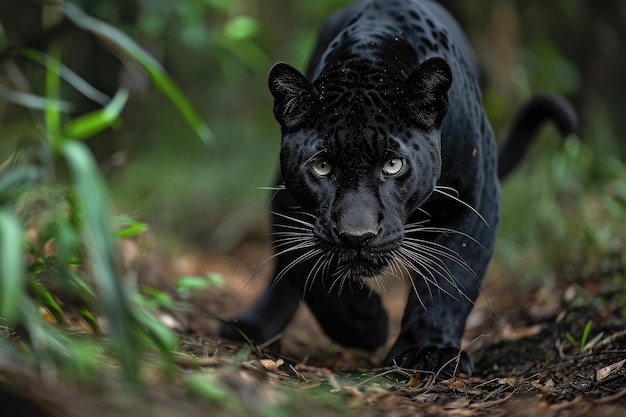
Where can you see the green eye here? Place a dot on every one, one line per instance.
(322, 167)
(393, 166)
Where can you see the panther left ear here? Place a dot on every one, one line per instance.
(427, 88)
(294, 95)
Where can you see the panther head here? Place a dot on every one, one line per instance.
(360, 153)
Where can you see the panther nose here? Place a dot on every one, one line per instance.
(356, 240)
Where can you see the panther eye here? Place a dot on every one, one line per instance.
(393, 166)
(322, 167)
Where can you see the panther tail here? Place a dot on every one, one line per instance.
(526, 124)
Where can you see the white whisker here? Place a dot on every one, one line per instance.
(442, 190)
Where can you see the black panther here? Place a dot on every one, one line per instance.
(390, 167)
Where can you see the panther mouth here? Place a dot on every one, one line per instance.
(369, 260)
(362, 263)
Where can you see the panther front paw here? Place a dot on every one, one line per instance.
(442, 360)
(242, 331)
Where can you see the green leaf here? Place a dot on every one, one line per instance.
(572, 340)
(124, 45)
(186, 285)
(129, 227)
(154, 298)
(78, 285)
(52, 111)
(45, 299)
(90, 319)
(585, 337)
(89, 124)
(158, 335)
(12, 282)
(90, 196)
(192, 283)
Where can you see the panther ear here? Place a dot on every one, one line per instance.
(427, 88)
(294, 95)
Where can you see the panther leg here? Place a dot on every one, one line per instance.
(278, 303)
(269, 315)
(431, 332)
(440, 300)
(353, 316)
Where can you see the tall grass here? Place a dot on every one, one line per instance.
(58, 249)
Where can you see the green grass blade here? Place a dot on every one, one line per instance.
(80, 288)
(46, 300)
(90, 320)
(90, 195)
(52, 111)
(12, 284)
(124, 45)
(157, 333)
(35, 102)
(572, 340)
(89, 124)
(67, 75)
(585, 337)
(129, 227)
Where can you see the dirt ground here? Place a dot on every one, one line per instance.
(518, 338)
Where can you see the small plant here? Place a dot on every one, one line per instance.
(187, 285)
(584, 344)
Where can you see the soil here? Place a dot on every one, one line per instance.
(526, 346)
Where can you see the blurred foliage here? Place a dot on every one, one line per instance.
(58, 252)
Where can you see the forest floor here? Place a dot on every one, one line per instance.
(534, 353)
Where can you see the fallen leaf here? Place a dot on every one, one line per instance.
(544, 388)
(457, 384)
(313, 369)
(353, 391)
(510, 334)
(271, 365)
(415, 380)
(606, 371)
(170, 321)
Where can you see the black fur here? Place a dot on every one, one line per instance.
(390, 166)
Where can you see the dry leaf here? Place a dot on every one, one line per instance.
(313, 369)
(415, 380)
(46, 316)
(510, 334)
(545, 388)
(605, 372)
(457, 384)
(170, 321)
(271, 365)
(354, 392)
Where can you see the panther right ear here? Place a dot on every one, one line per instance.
(294, 95)
(427, 89)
